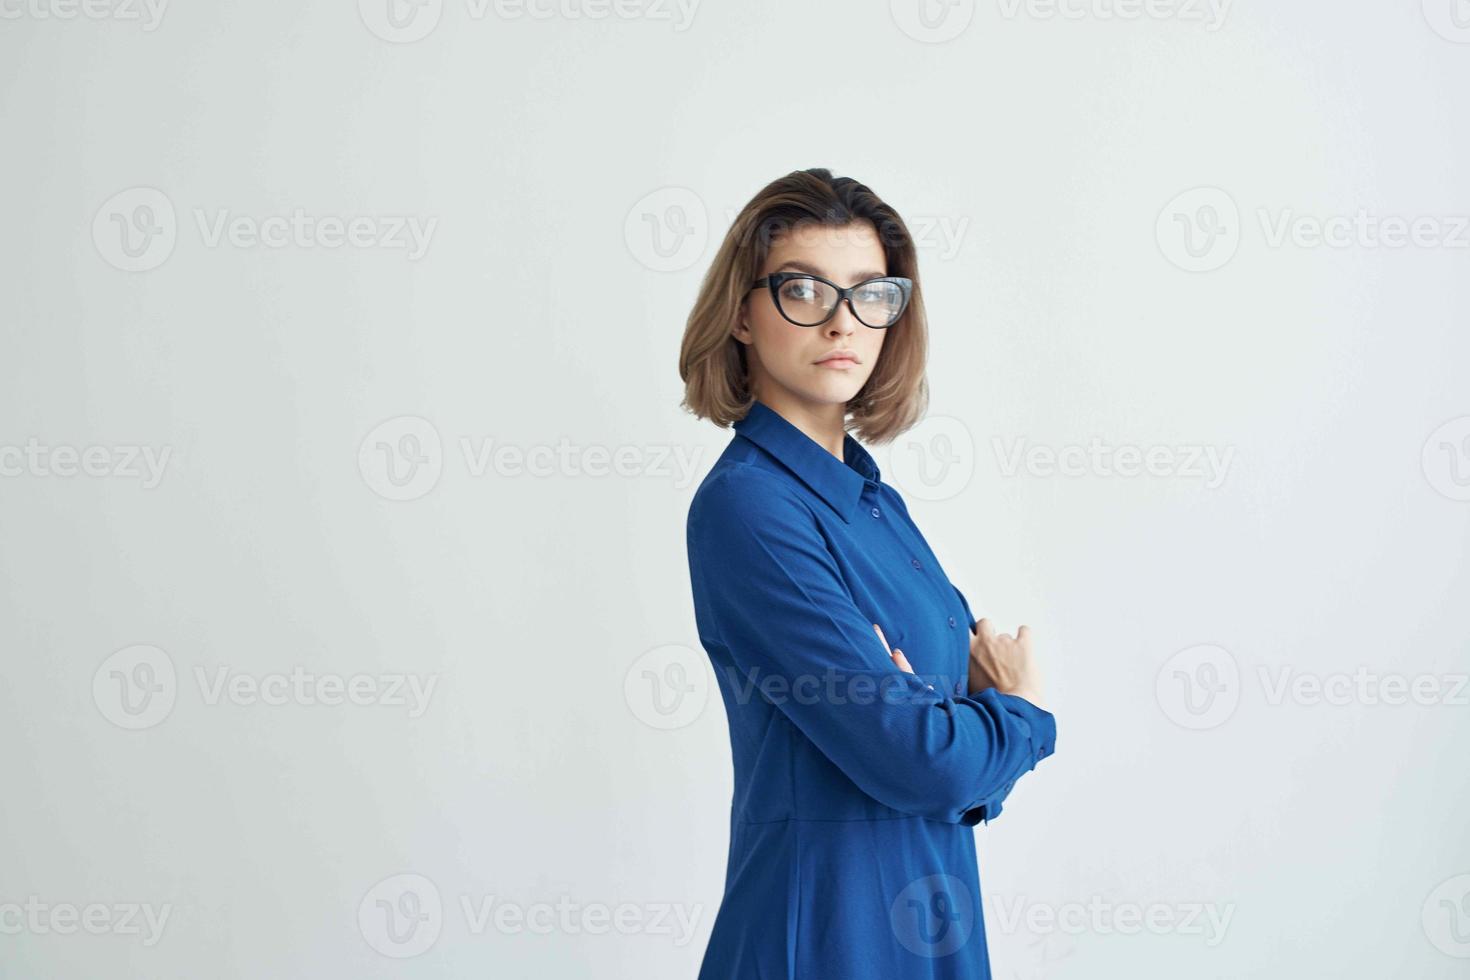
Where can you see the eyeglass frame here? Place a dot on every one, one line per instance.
(775, 280)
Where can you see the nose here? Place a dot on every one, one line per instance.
(843, 323)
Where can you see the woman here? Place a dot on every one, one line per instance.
(860, 767)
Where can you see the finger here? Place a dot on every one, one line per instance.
(1023, 635)
(902, 661)
(985, 628)
(877, 629)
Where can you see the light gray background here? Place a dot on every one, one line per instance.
(579, 170)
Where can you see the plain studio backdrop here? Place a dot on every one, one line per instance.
(346, 625)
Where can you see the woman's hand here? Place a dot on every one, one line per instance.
(1004, 662)
(980, 678)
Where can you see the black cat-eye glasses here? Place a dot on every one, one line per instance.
(810, 301)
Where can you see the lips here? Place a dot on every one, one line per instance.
(839, 359)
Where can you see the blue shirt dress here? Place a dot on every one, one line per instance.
(852, 853)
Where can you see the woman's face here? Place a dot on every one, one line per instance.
(788, 358)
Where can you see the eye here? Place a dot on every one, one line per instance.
(800, 290)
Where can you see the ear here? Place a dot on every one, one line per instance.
(741, 330)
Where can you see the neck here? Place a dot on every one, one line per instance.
(821, 421)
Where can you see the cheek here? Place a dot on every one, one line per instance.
(774, 335)
(874, 344)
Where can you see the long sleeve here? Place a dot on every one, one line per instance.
(778, 606)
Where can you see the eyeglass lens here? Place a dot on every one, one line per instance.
(809, 301)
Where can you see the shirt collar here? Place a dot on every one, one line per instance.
(838, 482)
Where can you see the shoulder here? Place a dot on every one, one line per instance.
(890, 493)
(745, 497)
(746, 490)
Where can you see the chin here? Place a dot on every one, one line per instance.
(834, 393)
(823, 386)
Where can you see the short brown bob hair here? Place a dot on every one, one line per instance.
(712, 362)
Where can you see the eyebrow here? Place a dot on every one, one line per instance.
(799, 266)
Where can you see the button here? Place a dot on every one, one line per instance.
(914, 562)
(951, 622)
(876, 512)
